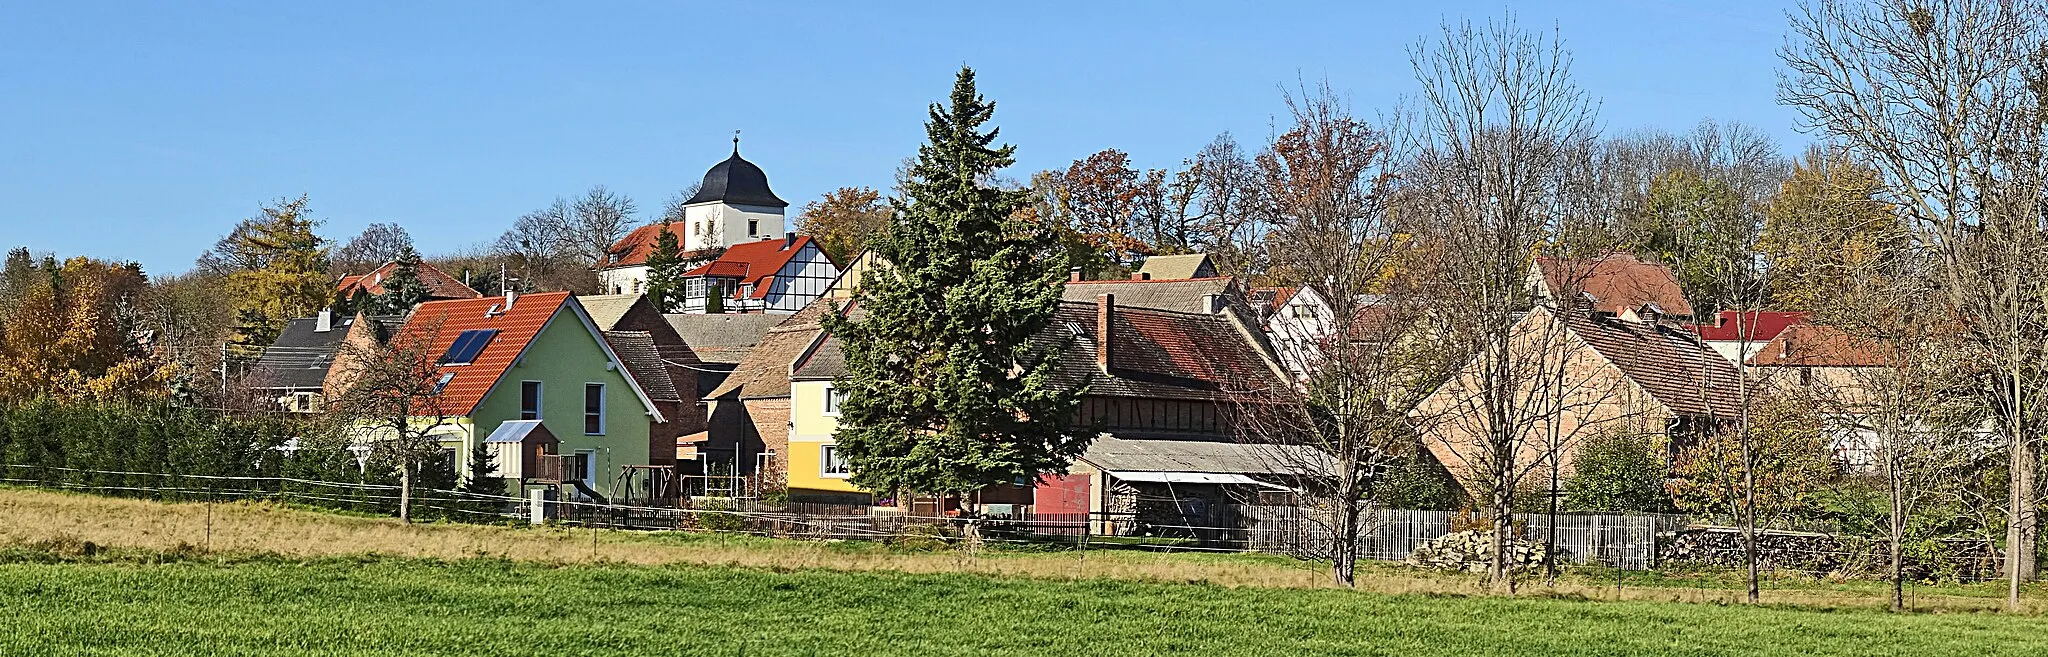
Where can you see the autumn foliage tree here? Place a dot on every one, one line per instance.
(69, 335)
(1828, 224)
(275, 269)
(843, 219)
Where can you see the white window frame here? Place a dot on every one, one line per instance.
(832, 401)
(589, 458)
(825, 458)
(600, 408)
(540, 396)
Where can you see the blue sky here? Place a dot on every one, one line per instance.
(144, 131)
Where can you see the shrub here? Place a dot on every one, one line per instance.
(1617, 472)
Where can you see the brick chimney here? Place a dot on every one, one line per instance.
(1140, 276)
(1105, 321)
(1073, 274)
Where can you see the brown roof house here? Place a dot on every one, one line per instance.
(748, 413)
(1576, 373)
(1616, 283)
(660, 359)
(1164, 387)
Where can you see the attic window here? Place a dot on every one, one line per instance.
(1075, 328)
(467, 345)
(442, 384)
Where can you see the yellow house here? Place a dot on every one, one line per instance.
(816, 472)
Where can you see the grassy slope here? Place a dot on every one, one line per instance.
(418, 607)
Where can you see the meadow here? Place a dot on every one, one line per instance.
(337, 606)
(87, 575)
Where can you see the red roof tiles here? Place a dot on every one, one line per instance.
(1619, 282)
(1679, 371)
(753, 263)
(441, 321)
(634, 248)
(1762, 326)
(1814, 345)
(439, 284)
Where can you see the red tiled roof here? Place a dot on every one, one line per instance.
(442, 321)
(1762, 326)
(1814, 345)
(1158, 354)
(1680, 372)
(439, 284)
(635, 246)
(753, 263)
(1618, 281)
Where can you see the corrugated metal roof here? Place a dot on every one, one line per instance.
(1116, 454)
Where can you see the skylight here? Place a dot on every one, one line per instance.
(467, 345)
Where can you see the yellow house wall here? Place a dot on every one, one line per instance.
(810, 430)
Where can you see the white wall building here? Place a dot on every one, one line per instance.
(733, 206)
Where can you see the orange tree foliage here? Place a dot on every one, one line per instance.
(843, 219)
(70, 335)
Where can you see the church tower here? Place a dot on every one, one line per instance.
(733, 206)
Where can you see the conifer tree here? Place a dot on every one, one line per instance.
(276, 269)
(945, 392)
(665, 266)
(403, 289)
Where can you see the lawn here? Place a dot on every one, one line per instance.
(493, 606)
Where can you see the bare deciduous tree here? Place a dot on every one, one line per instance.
(1493, 134)
(1362, 369)
(390, 399)
(378, 244)
(1946, 100)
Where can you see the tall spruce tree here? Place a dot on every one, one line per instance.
(944, 392)
(403, 289)
(665, 267)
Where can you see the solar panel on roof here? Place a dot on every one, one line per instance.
(467, 345)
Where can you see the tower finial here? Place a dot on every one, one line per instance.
(735, 142)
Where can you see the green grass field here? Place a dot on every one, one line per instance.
(395, 606)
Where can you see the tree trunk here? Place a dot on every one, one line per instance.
(1344, 545)
(1503, 524)
(2020, 530)
(405, 493)
(1898, 536)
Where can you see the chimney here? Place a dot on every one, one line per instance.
(788, 240)
(1073, 274)
(511, 295)
(1140, 276)
(1212, 303)
(1105, 318)
(325, 322)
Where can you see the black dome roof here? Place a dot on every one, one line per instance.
(737, 182)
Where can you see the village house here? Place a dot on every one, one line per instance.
(354, 290)
(1616, 283)
(749, 412)
(294, 370)
(659, 359)
(1578, 373)
(1163, 390)
(732, 235)
(534, 378)
(1297, 320)
(1738, 336)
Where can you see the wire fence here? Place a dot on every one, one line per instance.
(1626, 542)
